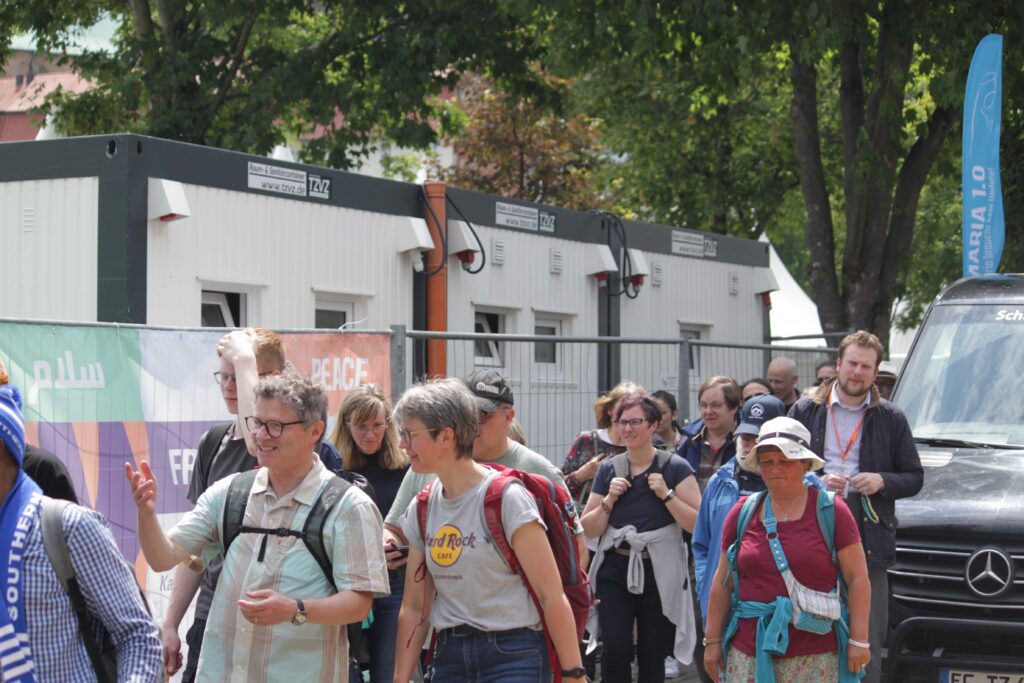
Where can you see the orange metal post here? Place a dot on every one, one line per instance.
(437, 284)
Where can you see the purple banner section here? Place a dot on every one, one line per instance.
(172, 455)
(170, 448)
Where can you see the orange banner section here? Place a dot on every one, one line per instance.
(341, 361)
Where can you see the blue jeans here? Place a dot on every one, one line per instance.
(381, 635)
(516, 656)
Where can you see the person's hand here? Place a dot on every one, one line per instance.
(617, 487)
(143, 485)
(713, 663)
(171, 643)
(588, 470)
(237, 344)
(656, 482)
(857, 658)
(835, 483)
(394, 558)
(267, 607)
(867, 483)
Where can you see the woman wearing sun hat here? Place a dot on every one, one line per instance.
(756, 628)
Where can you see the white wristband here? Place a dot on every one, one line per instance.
(857, 643)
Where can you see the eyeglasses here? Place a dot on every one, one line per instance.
(634, 423)
(712, 406)
(406, 436)
(484, 417)
(274, 427)
(223, 378)
(364, 429)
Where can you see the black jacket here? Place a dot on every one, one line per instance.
(887, 447)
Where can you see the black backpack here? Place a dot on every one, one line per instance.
(312, 533)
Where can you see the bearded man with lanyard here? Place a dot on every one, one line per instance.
(870, 459)
(39, 635)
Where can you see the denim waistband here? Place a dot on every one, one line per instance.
(464, 630)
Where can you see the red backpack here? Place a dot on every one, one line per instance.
(558, 512)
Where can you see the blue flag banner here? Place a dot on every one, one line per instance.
(983, 226)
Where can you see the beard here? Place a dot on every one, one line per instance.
(854, 393)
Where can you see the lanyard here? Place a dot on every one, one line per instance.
(853, 437)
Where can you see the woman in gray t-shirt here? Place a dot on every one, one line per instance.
(486, 623)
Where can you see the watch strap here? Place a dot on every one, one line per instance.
(578, 672)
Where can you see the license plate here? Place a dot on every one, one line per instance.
(961, 676)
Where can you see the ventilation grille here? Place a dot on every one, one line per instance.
(557, 257)
(657, 273)
(734, 283)
(498, 252)
(28, 219)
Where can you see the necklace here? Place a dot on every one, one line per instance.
(800, 503)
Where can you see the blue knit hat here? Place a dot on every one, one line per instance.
(12, 426)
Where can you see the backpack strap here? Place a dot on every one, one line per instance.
(51, 517)
(826, 512)
(209, 447)
(313, 529)
(422, 502)
(620, 464)
(312, 533)
(234, 507)
(493, 522)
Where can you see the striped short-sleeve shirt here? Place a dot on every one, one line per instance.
(236, 650)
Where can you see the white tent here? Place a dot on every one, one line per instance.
(793, 313)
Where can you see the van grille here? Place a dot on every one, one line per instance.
(929, 577)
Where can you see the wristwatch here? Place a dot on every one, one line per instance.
(299, 618)
(668, 496)
(578, 672)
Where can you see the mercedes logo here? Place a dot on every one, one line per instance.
(989, 572)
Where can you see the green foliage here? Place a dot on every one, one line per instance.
(340, 76)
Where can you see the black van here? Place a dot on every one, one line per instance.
(957, 588)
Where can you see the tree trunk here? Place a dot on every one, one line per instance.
(822, 269)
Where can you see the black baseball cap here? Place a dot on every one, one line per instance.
(756, 411)
(490, 389)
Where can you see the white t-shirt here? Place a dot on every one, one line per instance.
(473, 582)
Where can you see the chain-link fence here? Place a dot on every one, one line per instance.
(557, 379)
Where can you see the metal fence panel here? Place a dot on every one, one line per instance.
(555, 379)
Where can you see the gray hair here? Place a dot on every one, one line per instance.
(786, 362)
(307, 400)
(440, 404)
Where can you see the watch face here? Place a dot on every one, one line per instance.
(299, 618)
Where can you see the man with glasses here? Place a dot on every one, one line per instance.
(244, 356)
(276, 614)
(495, 402)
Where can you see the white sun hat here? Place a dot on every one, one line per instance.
(790, 437)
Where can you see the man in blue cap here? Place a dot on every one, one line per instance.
(39, 632)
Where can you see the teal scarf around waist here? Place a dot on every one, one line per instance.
(772, 638)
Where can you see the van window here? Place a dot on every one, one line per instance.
(961, 379)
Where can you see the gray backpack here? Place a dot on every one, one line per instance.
(98, 643)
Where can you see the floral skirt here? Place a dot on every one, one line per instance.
(742, 668)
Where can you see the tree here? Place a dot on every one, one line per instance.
(249, 76)
(682, 153)
(863, 149)
(523, 146)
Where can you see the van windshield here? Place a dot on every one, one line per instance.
(961, 380)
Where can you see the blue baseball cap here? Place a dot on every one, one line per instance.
(756, 411)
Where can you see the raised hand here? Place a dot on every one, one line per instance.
(143, 483)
